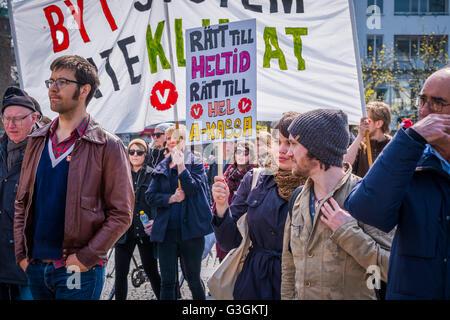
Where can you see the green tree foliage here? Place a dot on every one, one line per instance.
(387, 68)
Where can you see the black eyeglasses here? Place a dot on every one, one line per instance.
(157, 134)
(16, 120)
(60, 82)
(434, 104)
(245, 151)
(138, 152)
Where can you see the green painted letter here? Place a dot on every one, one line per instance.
(155, 48)
(179, 40)
(270, 36)
(297, 33)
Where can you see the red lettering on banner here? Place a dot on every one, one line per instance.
(108, 15)
(54, 27)
(78, 18)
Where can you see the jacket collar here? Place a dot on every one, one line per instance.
(93, 133)
(162, 167)
(348, 172)
(431, 163)
(309, 224)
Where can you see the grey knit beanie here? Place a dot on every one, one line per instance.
(324, 132)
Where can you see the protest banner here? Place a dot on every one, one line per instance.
(221, 82)
(305, 54)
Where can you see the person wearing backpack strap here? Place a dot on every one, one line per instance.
(266, 206)
(326, 253)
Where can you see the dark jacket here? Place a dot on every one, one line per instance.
(196, 213)
(408, 189)
(141, 181)
(99, 201)
(260, 277)
(10, 272)
(154, 157)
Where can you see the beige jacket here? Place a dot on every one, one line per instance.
(325, 265)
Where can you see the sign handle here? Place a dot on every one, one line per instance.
(369, 149)
(220, 159)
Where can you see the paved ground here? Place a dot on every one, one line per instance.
(145, 292)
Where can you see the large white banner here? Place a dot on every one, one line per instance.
(305, 53)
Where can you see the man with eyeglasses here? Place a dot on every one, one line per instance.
(19, 117)
(75, 196)
(409, 187)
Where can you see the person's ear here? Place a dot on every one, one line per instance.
(379, 124)
(85, 89)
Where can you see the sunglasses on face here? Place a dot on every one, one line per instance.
(138, 152)
(244, 152)
(157, 134)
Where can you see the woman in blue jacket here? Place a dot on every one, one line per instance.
(178, 191)
(266, 206)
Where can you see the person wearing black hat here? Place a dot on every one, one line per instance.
(19, 116)
(326, 253)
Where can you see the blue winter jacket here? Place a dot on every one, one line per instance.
(408, 189)
(196, 213)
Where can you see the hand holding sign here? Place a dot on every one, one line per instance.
(177, 156)
(220, 194)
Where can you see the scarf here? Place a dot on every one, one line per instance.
(287, 183)
(15, 153)
(233, 177)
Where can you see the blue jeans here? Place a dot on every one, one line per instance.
(14, 292)
(190, 252)
(48, 283)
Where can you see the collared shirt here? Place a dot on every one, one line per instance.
(60, 147)
(444, 163)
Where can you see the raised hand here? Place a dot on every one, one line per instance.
(220, 194)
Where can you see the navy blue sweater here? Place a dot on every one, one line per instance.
(50, 205)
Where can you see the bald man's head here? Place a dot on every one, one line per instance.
(435, 92)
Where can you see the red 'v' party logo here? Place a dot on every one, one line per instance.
(245, 105)
(164, 95)
(196, 111)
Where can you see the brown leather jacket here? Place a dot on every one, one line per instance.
(100, 197)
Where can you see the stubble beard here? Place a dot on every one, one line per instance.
(64, 107)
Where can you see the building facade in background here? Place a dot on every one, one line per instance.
(403, 33)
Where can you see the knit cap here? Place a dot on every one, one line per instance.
(17, 97)
(324, 132)
(140, 142)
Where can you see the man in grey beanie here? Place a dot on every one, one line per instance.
(326, 253)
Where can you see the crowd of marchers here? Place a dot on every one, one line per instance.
(309, 213)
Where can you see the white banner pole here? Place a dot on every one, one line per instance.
(16, 47)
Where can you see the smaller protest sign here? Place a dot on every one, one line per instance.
(221, 82)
